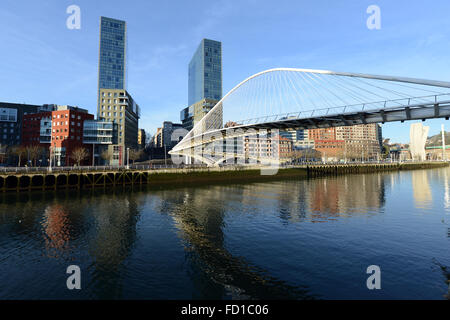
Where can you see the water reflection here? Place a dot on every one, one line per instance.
(56, 227)
(101, 230)
(446, 191)
(216, 271)
(421, 189)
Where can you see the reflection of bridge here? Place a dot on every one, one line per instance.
(287, 98)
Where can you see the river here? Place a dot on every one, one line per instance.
(293, 239)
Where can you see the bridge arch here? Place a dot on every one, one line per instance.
(296, 98)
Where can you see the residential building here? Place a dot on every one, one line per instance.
(205, 72)
(348, 142)
(60, 131)
(99, 134)
(158, 138)
(276, 148)
(191, 115)
(435, 153)
(11, 117)
(119, 107)
(204, 84)
(112, 58)
(168, 129)
(141, 138)
(115, 104)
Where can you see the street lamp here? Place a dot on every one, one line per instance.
(128, 158)
(50, 158)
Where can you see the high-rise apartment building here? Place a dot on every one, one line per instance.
(204, 84)
(115, 104)
(112, 68)
(205, 72)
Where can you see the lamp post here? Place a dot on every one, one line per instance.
(128, 158)
(165, 155)
(50, 156)
(443, 144)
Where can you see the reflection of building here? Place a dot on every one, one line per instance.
(421, 188)
(57, 229)
(446, 191)
(418, 135)
(334, 196)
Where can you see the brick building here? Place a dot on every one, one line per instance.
(58, 132)
(348, 142)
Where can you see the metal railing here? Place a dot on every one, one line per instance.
(138, 167)
(96, 168)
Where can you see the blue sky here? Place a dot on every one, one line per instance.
(44, 62)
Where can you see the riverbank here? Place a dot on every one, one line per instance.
(23, 182)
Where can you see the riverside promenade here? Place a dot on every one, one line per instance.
(29, 179)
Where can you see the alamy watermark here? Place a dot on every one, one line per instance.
(374, 281)
(74, 280)
(74, 20)
(374, 20)
(232, 147)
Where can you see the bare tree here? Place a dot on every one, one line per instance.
(33, 151)
(79, 154)
(106, 155)
(135, 154)
(19, 151)
(3, 152)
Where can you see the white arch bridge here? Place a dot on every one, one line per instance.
(290, 98)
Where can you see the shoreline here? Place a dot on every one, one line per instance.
(26, 182)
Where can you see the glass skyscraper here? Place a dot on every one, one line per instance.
(111, 71)
(205, 72)
(115, 104)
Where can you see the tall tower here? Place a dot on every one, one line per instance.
(205, 72)
(204, 84)
(112, 57)
(115, 104)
